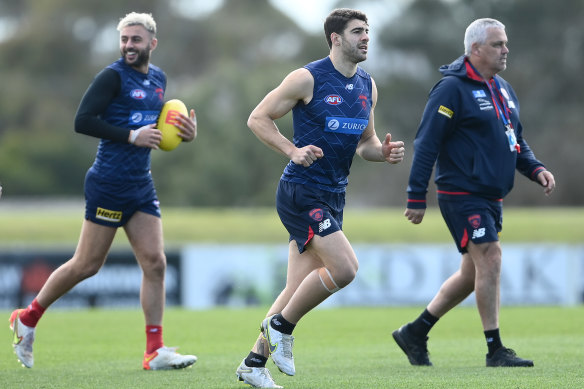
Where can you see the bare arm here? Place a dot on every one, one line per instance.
(370, 148)
(297, 86)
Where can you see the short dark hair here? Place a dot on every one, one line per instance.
(337, 21)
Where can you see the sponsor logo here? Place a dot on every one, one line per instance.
(325, 224)
(271, 346)
(150, 357)
(349, 87)
(445, 111)
(107, 215)
(333, 125)
(316, 214)
(333, 99)
(479, 93)
(478, 233)
(484, 104)
(475, 221)
(171, 117)
(138, 94)
(505, 93)
(143, 117)
(345, 125)
(136, 117)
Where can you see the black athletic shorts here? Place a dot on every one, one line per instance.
(306, 211)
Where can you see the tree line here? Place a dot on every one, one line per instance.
(222, 64)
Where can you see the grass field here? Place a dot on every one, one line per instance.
(60, 225)
(334, 348)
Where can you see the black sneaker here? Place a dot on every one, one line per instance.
(415, 348)
(507, 357)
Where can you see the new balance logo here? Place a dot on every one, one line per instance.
(478, 233)
(324, 225)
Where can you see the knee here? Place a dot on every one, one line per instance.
(81, 270)
(346, 276)
(337, 278)
(493, 261)
(153, 266)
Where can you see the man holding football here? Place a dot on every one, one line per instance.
(120, 107)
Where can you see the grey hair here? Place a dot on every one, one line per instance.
(138, 19)
(476, 32)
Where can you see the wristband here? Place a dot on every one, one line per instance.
(135, 135)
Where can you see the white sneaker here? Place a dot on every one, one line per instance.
(258, 377)
(166, 358)
(23, 339)
(280, 346)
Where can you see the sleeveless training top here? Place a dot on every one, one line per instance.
(333, 120)
(138, 103)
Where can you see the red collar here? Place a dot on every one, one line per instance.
(471, 72)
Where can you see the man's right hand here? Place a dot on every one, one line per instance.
(415, 215)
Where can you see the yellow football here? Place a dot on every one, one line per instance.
(167, 123)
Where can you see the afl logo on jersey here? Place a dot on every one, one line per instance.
(333, 99)
(138, 94)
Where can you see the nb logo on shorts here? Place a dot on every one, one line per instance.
(107, 215)
(479, 233)
(324, 225)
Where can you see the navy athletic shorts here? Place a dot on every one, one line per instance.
(306, 211)
(471, 218)
(113, 204)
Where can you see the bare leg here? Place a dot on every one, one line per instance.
(299, 266)
(144, 232)
(455, 289)
(480, 271)
(304, 290)
(90, 255)
(487, 260)
(336, 254)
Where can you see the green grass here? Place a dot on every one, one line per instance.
(334, 348)
(61, 225)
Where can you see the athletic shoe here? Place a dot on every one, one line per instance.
(258, 377)
(23, 339)
(166, 358)
(507, 357)
(415, 347)
(280, 346)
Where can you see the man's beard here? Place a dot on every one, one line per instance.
(142, 58)
(354, 54)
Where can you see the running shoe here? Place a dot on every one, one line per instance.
(505, 357)
(258, 377)
(166, 358)
(280, 346)
(414, 347)
(23, 339)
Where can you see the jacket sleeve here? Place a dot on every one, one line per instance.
(438, 121)
(527, 164)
